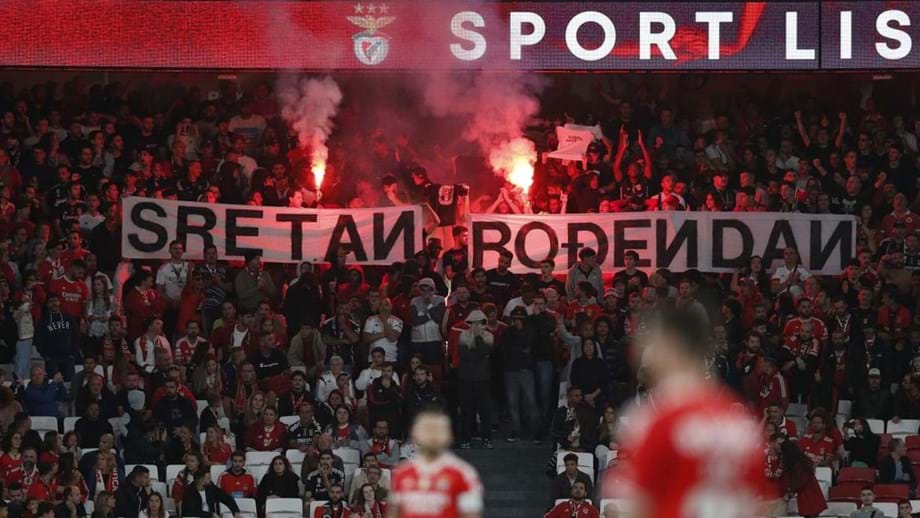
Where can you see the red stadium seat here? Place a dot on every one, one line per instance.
(891, 492)
(858, 475)
(845, 493)
(914, 456)
(912, 442)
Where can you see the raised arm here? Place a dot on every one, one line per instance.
(618, 160)
(647, 171)
(838, 142)
(802, 131)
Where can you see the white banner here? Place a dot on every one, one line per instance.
(282, 235)
(678, 241)
(573, 143)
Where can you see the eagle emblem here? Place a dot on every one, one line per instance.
(370, 45)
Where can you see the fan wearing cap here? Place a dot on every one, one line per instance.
(475, 352)
(517, 344)
(427, 313)
(873, 401)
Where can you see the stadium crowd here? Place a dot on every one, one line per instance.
(300, 382)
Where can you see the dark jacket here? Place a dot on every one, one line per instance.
(130, 500)
(564, 422)
(193, 506)
(89, 431)
(418, 398)
(284, 486)
(57, 335)
(886, 471)
(43, 399)
(863, 448)
(475, 361)
(176, 412)
(872, 404)
(563, 489)
(517, 345)
(589, 375)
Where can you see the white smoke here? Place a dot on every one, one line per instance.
(496, 108)
(309, 105)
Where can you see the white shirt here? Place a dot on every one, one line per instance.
(374, 325)
(144, 351)
(327, 383)
(368, 376)
(88, 222)
(238, 337)
(514, 303)
(782, 273)
(172, 277)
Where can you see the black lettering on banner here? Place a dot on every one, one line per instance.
(297, 220)
(781, 228)
(687, 234)
(719, 226)
(480, 246)
(574, 245)
(520, 244)
(346, 224)
(235, 230)
(404, 224)
(137, 219)
(842, 236)
(621, 245)
(183, 229)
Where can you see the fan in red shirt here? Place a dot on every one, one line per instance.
(43, 487)
(436, 484)
(697, 453)
(576, 507)
(806, 316)
(818, 446)
(236, 482)
(267, 434)
(73, 290)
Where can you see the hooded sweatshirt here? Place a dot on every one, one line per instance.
(57, 336)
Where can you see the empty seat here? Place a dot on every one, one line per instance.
(295, 456)
(845, 493)
(202, 404)
(247, 508)
(797, 410)
(891, 492)
(903, 428)
(44, 423)
(70, 423)
(845, 407)
(912, 442)
(915, 506)
(283, 506)
(351, 458)
(216, 472)
(288, 420)
(825, 474)
(260, 458)
(876, 425)
(861, 475)
(839, 509)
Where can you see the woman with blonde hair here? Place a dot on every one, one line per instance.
(105, 476)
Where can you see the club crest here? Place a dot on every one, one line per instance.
(370, 45)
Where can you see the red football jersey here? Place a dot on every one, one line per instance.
(445, 488)
(699, 454)
(237, 486)
(818, 450)
(74, 295)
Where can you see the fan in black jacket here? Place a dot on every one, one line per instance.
(280, 481)
(194, 506)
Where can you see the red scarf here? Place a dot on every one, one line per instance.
(102, 485)
(380, 447)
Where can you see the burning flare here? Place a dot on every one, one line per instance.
(318, 167)
(514, 160)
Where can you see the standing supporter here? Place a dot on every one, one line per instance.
(427, 312)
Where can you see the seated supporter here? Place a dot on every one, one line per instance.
(319, 482)
(267, 434)
(279, 481)
(895, 468)
(236, 481)
(577, 503)
(564, 482)
(380, 444)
